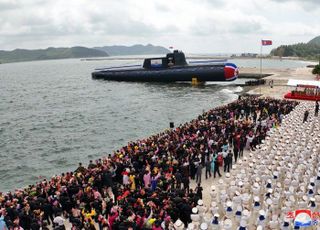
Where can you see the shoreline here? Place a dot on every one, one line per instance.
(280, 78)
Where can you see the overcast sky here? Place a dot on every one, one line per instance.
(195, 26)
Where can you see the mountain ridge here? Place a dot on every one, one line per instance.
(50, 53)
(137, 49)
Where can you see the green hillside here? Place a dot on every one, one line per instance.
(310, 50)
(19, 55)
(315, 41)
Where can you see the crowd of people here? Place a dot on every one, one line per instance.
(272, 186)
(146, 184)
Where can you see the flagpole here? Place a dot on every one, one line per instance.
(261, 59)
(260, 62)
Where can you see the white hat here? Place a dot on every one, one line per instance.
(243, 223)
(285, 219)
(291, 198)
(229, 203)
(216, 215)
(238, 193)
(270, 190)
(312, 199)
(256, 198)
(194, 210)
(269, 180)
(240, 183)
(204, 226)
(221, 181)
(305, 198)
(262, 212)
(227, 175)
(213, 188)
(178, 223)
(310, 186)
(269, 201)
(200, 202)
(256, 185)
(246, 212)
(227, 223)
(190, 226)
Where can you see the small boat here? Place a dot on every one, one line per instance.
(171, 68)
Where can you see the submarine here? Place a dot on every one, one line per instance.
(171, 68)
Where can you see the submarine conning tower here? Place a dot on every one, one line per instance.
(177, 58)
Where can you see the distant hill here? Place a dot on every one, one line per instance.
(133, 50)
(19, 55)
(315, 41)
(310, 50)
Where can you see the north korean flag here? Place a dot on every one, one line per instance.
(266, 42)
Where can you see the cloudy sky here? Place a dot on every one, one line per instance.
(195, 26)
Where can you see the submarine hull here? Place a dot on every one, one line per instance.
(227, 72)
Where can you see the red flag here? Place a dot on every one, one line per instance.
(266, 42)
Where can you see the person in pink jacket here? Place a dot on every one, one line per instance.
(147, 179)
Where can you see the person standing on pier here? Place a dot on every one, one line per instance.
(316, 110)
(305, 117)
(198, 172)
(216, 167)
(208, 167)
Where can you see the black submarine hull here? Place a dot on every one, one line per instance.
(226, 72)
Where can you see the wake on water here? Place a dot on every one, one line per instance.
(237, 89)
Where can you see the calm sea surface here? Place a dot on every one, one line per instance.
(53, 115)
